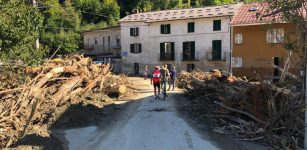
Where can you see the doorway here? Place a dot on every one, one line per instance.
(136, 68)
(190, 67)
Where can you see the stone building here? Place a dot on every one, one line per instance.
(197, 38)
(104, 46)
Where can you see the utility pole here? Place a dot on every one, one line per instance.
(37, 40)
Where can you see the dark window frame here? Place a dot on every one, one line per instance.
(188, 50)
(165, 28)
(216, 49)
(168, 57)
(134, 31)
(136, 48)
(217, 25)
(191, 27)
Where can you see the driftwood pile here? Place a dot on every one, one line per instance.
(72, 80)
(249, 111)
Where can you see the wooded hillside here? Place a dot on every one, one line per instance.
(58, 23)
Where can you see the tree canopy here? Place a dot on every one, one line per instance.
(60, 22)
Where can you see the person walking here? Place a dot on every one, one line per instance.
(145, 72)
(164, 76)
(155, 80)
(173, 75)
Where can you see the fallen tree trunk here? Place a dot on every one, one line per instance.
(241, 112)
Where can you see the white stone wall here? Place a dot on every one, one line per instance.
(150, 37)
(89, 41)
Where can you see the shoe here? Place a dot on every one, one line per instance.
(156, 97)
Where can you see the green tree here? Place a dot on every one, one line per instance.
(61, 27)
(19, 24)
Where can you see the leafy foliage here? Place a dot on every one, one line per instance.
(18, 31)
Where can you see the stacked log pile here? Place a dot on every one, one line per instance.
(250, 111)
(72, 80)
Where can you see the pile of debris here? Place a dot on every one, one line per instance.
(72, 80)
(250, 111)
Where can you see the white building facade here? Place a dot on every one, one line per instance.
(198, 38)
(105, 41)
(104, 46)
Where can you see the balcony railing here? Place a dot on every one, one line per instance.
(167, 57)
(88, 48)
(192, 57)
(224, 56)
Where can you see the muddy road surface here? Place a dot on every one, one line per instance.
(148, 124)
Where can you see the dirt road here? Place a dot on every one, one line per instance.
(145, 124)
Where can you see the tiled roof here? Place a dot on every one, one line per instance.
(165, 15)
(255, 13)
(102, 29)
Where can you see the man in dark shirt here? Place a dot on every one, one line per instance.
(173, 75)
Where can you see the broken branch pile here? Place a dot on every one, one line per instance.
(72, 80)
(250, 111)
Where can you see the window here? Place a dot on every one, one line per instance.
(134, 31)
(103, 41)
(167, 51)
(96, 42)
(216, 25)
(275, 35)
(239, 38)
(165, 29)
(136, 48)
(191, 27)
(188, 51)
(117, 41)
(216, 50)
(109, 42)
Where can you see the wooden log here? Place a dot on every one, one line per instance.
(66, 88)
(51, 74)
(98, 78)
(121, 89)
(241, 112)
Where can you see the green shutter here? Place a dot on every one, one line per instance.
(162, 51)
(216, 25)
(131, 31)
(193, 50)
(131, 48)
(168, 29)
(173, 50)
(184, 48)
(140, 48)
(191, 26)
(136, 31)
(216, 49)
(162, 29)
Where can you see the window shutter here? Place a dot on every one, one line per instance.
(162, 29)
(162, 51)
(131, 31)
(216, 25)
(216, 49)
(173, 50)
(191, 27)
(193, 50)
(136, 31)
(168, 28)
(184, 49)
(131, 48)
(140, 48)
